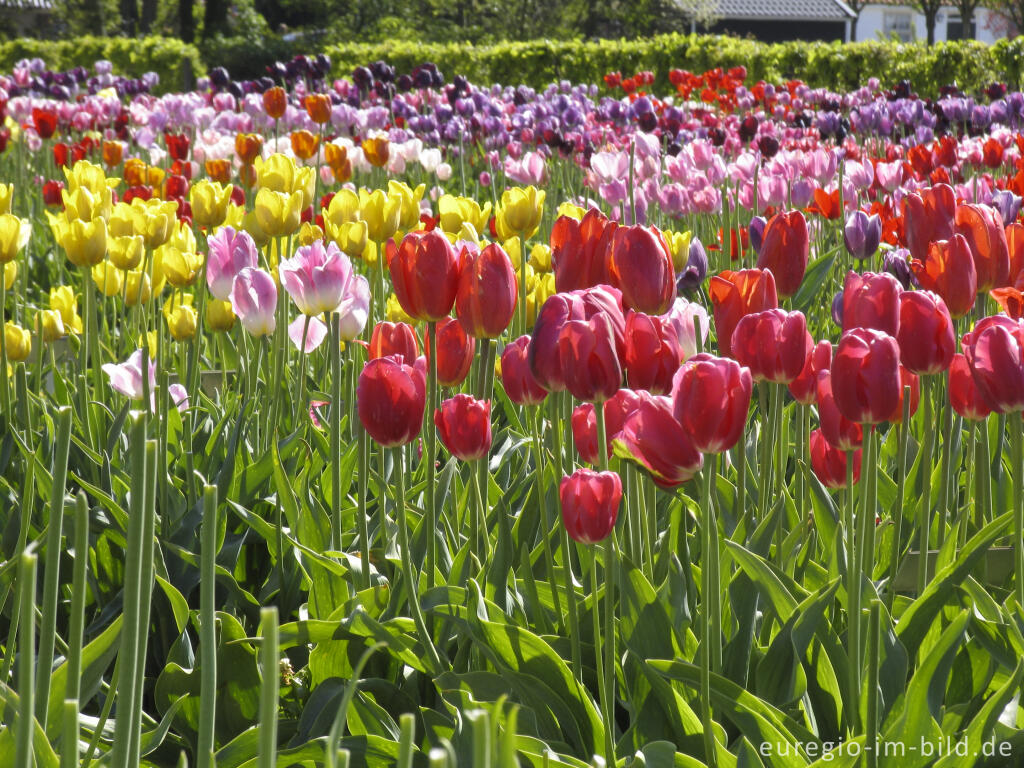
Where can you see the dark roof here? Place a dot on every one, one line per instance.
(795, 10)
(28, 5)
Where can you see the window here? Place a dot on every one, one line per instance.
(899, 24)
(955, 29)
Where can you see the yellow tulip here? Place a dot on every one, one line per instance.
(465, 232)
(209, 202)
(180, 316)
(126, 252)
(309, 233)
(219, 315)
(122, 221)
(381, 212)
(86, 205)
(10, 274)
(514, 248)
(179, 267)
(108, 278)
(84, 242)
(14, 234)
(252, 225)
(544, 289)
(370, 253)
(234, 217)
(344, 208)
(154, 220)
(62, 299)
(540, 257)
(139, 288)
(453, 211)
(679, 247)
(350, 236)
(519, 212)
(19, 342)
(278, 214)
(410, 215)
(150, 340)
(395, 313)
(571, 210)
(86, 175)
(280, 174)
(6, 195)
(50, 325)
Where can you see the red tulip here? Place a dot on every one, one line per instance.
(784, 250)
(52, 194)
(177, 145)
(487, 292)
(584, 423)
(735, 294)
(804, 388)
(590, 504)
(948, 270)
(652, 437)
(455, 355)
(425, 273)
(866, 375)
(829, 462)
(927, 217)
(995, 353)
(517, 378)
(653, 353)
(45, 122)
(579, 250)
(773, 344)
(963, 392)
(640, 265)
(925, 335)
(391, 339)
(907, 379)
(844, 434)
(710, 398)
(1015, 246)
(464, 426)
(1010, 300)
(390, 399)
(590, 363)
(872, 300)
(982, 227)
(61, 153)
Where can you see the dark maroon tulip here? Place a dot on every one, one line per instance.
(804, 388)
(652, 437)
(640, 265)
(579, 250)
(995, 354)
(517, 378)
(455, 355)
(844, 434)
(590, 504)
(871, 300)
(710, 399)
(390, 399)
(926, 338)
(982, 227)
(590, 363)
(425, 271)
(389, 339)
(784, 250)
(464, 426)
(486, 299)
(866, 375)
(862, 234)
(963, 392)
(653, 353)
(584, 423)
(829, 462)
(773, 344)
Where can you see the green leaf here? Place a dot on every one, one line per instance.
(96, 657)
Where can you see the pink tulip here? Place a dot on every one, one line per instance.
(230, 253)
(254, 299)
(126, 378)
(316, 277)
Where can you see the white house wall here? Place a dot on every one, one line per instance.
(872, 20)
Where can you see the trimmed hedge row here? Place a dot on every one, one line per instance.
(131, 56)
(971, 64)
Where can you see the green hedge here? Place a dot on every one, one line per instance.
(971, 64)
(130, 56)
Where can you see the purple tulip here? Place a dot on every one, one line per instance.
(696, 269)
(896, 263)
(756, 232)
(1008, 205)
(862, 234)
(837, 309)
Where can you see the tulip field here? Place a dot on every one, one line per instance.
(400, 420)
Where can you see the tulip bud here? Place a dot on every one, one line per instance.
(589, 361)
(455, 352)
(994, 352)
(865, 375)
(590, 504)
(773, 344)
(829, 462)
(784, 250)
(464, 426)
(862, 234)
(18, 341)
(710, 399)
(390, 399)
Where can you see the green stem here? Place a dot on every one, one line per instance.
(363, 450)
(547, 523)
(570, 587)
(853, 600)
(709, 591)
(1017, 454)
(207, 631)
(72, 688)
(269, 687)
(431, 452)
(871, 752)
(924, 472)
(407, 572)
(300, 416)
(24, 751)
(901, 482)
(947, 458)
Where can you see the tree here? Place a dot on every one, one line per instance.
(856, 6)
(966, 8)
(1010, 10)
(930, 9)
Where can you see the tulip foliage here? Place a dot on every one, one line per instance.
(402, 422)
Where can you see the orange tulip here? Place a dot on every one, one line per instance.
(1015, 244)
(336, 157)
(247, 173)
(275, 101)
(1011, 300)
(304, 144)
(248, 146)
(113, 151)
(219, 170)
(948, 270)
(982, 227)
(134, 172)
(376, 151)
(318, 105)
